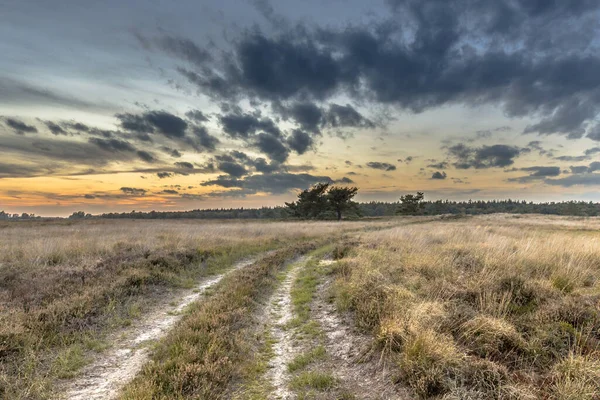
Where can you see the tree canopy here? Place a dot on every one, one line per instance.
(323, 201)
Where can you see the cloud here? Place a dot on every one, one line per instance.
(277, 183)
(576, 180)
(537, 64)
(344, 180)
(55, 129)
(272, 146)
(537, 173)
(170, 191)
(133, 191)
(346, 116)
(381, 165)
(232, 168)
(20, 127)
(196, 115)
(146, 156)
(205, 139)
(241, 125)
(299, 141)
(112, 144)
(162, 175)
(184, 164)
(495, 156)
(440, 165)
(439, 175)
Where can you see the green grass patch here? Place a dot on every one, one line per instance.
(317, 380)
(301, 361)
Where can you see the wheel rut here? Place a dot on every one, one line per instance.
(112, 370)
(280, 312)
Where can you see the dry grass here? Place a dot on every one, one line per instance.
(491, 307)
(65, 285)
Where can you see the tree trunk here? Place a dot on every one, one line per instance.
(339, 215)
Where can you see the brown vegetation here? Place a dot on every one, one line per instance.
(482, 308)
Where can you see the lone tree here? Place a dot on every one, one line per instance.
(322, 201)
(340, 200)
(411, 204)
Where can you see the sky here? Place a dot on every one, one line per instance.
(160, 105)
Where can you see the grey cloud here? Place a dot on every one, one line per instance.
(245, 125)
(205, 139)
(55, 129)
(146, 156)
(428, 59)
(576, 180)
(271, 183)
(300, 141)
(381, 165)
(184, 164)
(196, 115)
(112, 144)
(272, 146)
(495, 156)
(439, 175)
(20, 127)
(133, 191)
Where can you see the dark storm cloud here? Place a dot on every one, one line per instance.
(20, 127)
(537, 61)
(439, 175)
(271, 183)
(244, 125)
(299, 141)
(495, 156)
(381, 165)
(272, 146)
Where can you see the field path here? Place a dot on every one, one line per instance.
(280, 311)
(352, 357)
(108, 374)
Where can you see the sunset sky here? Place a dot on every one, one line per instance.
(173, 105)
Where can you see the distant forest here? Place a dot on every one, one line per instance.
(371, 209)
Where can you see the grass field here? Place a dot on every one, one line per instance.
(491, 307)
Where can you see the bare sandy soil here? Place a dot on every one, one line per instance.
(279, 310)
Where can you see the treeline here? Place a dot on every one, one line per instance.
(381, 209)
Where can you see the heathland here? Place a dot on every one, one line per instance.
(484, 307)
